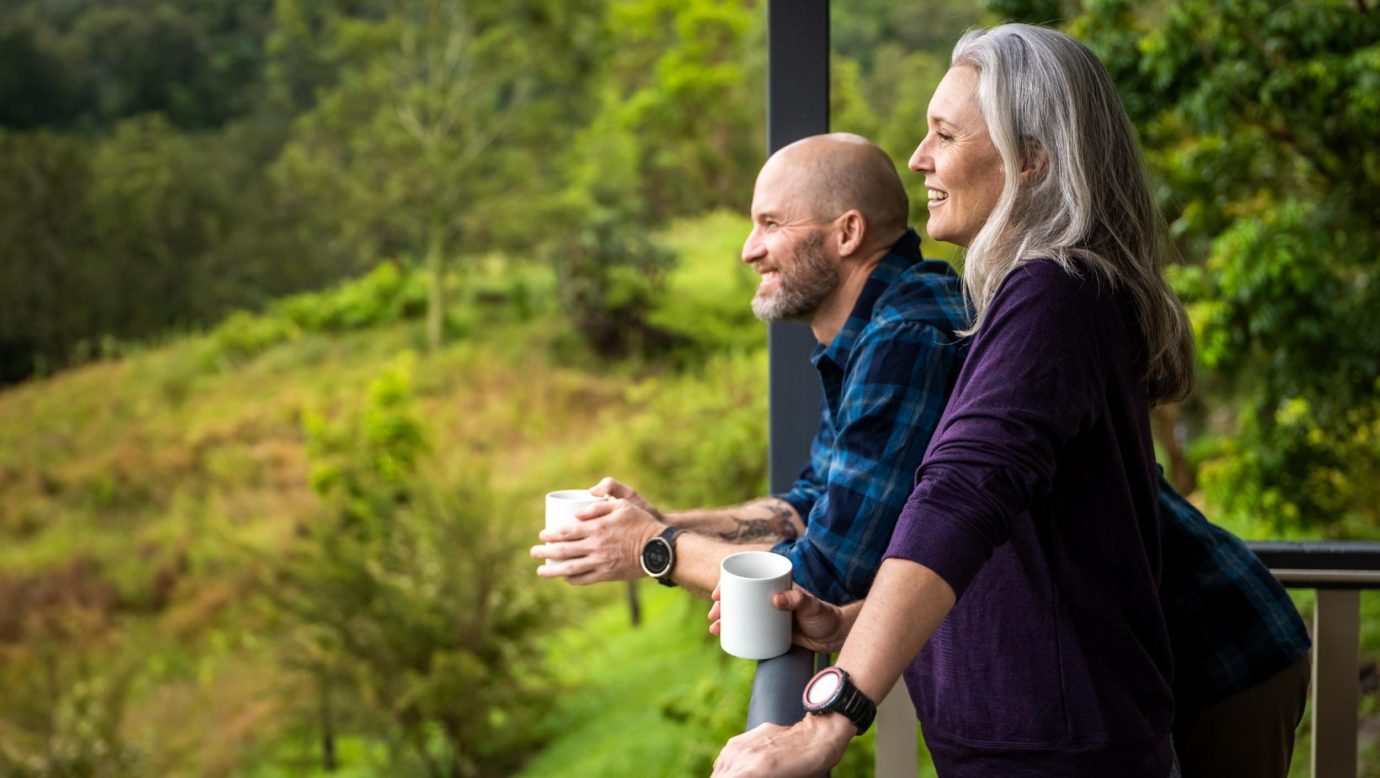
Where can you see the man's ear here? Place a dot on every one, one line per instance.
(852, 231)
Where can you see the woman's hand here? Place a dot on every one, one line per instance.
(804, 750)
(818, 625)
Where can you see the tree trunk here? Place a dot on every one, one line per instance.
(634, 605)
(1165, 422)
(328, 758)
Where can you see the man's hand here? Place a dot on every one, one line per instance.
(804, 750)
(817, 625)
(604, 545)
(609, 487)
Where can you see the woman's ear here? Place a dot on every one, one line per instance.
(1033, 162)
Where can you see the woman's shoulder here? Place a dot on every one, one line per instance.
(1072, 293)
(1051, 275)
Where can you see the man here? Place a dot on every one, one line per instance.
(830, 241)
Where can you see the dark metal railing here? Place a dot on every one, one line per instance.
(1338, 571)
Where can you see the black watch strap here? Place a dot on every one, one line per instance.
(845, 698)
(659, 556)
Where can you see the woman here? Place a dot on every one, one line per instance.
(1025, 563)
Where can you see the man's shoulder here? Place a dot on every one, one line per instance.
(927, 292)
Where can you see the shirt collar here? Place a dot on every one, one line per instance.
(903, 254)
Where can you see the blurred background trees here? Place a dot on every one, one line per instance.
(1259, 122)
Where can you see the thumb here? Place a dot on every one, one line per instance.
(790, 600)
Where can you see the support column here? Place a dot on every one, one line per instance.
(1336, 684)
(797, 107)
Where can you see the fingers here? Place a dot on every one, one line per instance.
(558, 551)
(598, 509)
(715, 595)
(609, 487)
(578, 571)
(564, 533)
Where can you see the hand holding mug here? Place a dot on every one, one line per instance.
(817, 625)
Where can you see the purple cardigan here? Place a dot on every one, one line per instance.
(1036, 502)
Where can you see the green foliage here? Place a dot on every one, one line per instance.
(406, 598)
(66, 678)
(386, 295)
(607, 275)
(1258, 120)
(86, 65)
(698, 440)
(705, 304)
(698, 54)
(75, 727)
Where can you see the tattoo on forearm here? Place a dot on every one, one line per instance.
(777, 525)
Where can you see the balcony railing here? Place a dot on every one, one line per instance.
(1338, 571)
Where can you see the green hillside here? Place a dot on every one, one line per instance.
(150, 498)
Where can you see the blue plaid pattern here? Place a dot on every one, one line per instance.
(886, 378)
(1231, 624)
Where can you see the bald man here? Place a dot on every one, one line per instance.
(829, 239)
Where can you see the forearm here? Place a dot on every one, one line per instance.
(906, 605)
(698, 558)
(767, 519)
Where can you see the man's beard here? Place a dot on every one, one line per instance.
(802, 284)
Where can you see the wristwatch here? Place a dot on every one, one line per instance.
(659, 556)
(830, 691)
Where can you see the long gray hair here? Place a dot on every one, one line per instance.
(1085, 200)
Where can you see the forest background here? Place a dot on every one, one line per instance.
(305, 303)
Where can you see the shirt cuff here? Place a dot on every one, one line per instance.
(801, 502)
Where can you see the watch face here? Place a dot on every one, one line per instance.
(656, 556)
(825, 686)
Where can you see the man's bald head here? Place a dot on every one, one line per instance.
(840, 171)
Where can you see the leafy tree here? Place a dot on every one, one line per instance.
(1259, 121)
(683, 86)
(407, 598)
(45, 240)
(408, 152)
(608, 273)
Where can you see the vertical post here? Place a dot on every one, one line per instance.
(897, 756)
(1336, 684)
(797, 107)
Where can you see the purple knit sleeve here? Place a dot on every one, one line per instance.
(1034, 379)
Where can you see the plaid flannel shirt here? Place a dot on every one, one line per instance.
(1231, 624)
(886, 377)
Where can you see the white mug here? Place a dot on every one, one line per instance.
(750, 626)
(561, 506)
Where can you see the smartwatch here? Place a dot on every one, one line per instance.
(659, 556)
(830, 691)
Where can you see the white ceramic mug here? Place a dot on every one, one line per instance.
(750, 627)
(561, 506)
